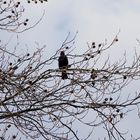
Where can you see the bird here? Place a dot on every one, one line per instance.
(63, 64)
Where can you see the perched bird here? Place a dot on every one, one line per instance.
(63, 64)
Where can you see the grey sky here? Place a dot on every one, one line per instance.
(95, 20)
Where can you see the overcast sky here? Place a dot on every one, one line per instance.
(95, 20)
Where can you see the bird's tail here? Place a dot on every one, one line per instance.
(64, 75)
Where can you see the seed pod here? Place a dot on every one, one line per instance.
(93, 43)
(124, 77)
(121, 115)
(118, 110)
(99, 45)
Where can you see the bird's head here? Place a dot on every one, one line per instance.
(62, 53)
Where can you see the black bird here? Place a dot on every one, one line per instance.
(63, 64)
